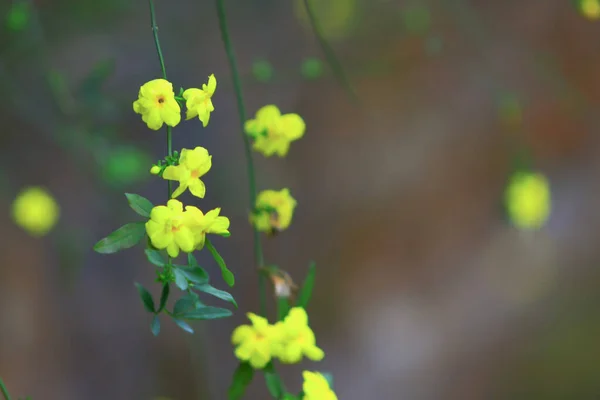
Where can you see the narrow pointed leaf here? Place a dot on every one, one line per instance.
(273, 381)
(180, 279)
(183, 325)
(139, 204)
(307, 286)
(146, 297)
(242, 377)
(226, 273)
(123, 238)
(220, 294)
(155, 257)
(283, 307)
(205, 312)
(195, 274)
(164, 296)
(155, 326)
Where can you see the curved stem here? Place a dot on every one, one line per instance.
(235, 76)
(332, 59)
(4, 391)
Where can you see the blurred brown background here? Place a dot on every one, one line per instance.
(423, 290)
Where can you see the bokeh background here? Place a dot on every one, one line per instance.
(423, 291)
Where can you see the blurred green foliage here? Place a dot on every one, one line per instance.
(312, 68)
(19, 15)
(262, 70)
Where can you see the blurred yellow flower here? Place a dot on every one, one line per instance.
(35, 210)
(201, 224)
(590, 8)
(256, 343)
(298, 338)
(157, 105)
(528, 200)
(198, 101)
(167, 230)
(336, 18)
(316, 387)
(273, 132)
(274, 210)
(193, 164)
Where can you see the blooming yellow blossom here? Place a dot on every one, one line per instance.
(35, 210)
(256, 343)
(193, 164)
(157, 105)
(528, 200)
(198, 101)
(274, 210)
(298, 338)
(167, 230)
(201, 224)
(273, 132)
(316, 387)
(590, 8)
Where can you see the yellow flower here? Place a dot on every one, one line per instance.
(155, 170)
(298, 338)
(274, 210)
(193, 164)
(157, 105)
(316, 387)
(256, 343)
(167, 230)
(273, 132)
(35, 210)
(198, 101)
(201, 224)
(590, 8)
(528, 200)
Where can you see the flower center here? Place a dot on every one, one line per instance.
(195, 174)
(160, 99)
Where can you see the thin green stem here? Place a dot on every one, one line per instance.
(235, 76)
(4, 390)
(169, 152)
(329, 53)
(156, 41)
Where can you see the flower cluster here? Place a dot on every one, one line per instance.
(590, 8)
(273, 132)
(289, 340)
(158, 104)
(274, 210)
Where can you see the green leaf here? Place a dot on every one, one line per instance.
(187, 302)
(146, 297)
(195, 274)
(183, 325)
(19, 15)
(164, 296)
(220, 294)
(283, 307)
(227, 275)
(273, 381)
(205, 312)
(307, 286)
(139, 204)
(180, 279)
(241, 379)
(155, 257)
(155, 326)
(123, 238)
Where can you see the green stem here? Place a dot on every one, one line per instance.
(4, 390)
(332, 59)
(156, 41)
(258, 253)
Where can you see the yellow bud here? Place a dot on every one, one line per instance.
(155, 170)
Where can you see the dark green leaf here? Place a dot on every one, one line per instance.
(307, 286)
(241, 379)
(146, 297)
(227, 275)
(155, 326)
(273, 381)
(180, 279)
(139, 204)
(183, 325)
(221, 294)
(283, 307)
(123, 238)
(164, 296)
(155, 257)
(205, 312)
(192, 262)
(289, 396)
(185, 303)
(196, 274)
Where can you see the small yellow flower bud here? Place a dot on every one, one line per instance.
(155, 170)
